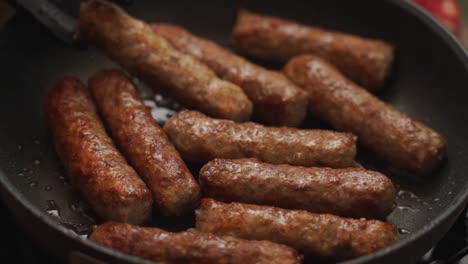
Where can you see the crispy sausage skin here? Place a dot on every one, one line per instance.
(366, 61)
(321, 235)
(144, 143)
(93, 163)
(277, 101)
(351, 192)
(190, 246)
(348, 107)
(133, 44)
(200, 138)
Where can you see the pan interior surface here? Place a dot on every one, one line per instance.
(428, 82)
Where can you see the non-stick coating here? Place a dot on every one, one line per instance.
(429, 82)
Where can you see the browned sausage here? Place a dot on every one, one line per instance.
(348, 107)
(351, 192)
(93, 163)
(133, 44)
(366, 61)
(321, 235)
(190, 246)
(144, 143)
(277, 101)
(200, 138)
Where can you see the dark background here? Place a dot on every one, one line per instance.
(16, 246)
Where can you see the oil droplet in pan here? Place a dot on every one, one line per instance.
(149, 103)
(64, 180)
(407, 208)
(403, 231)
(74, 207)
(33, 184)
(52, 208)
(403, 194)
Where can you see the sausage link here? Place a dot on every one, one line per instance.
(321, 235)
(351, 192)
(132, 44)
(144, 143)
(190, 246)
(200, 138)
(277, 101)
(93, 163)
(348, 107)
(366, 61)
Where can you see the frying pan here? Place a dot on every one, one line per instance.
(429, 82)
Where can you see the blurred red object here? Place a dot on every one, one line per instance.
(447, 11)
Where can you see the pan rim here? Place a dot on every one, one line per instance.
(458, 202)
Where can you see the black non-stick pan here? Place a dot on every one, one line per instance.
(429, 82)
